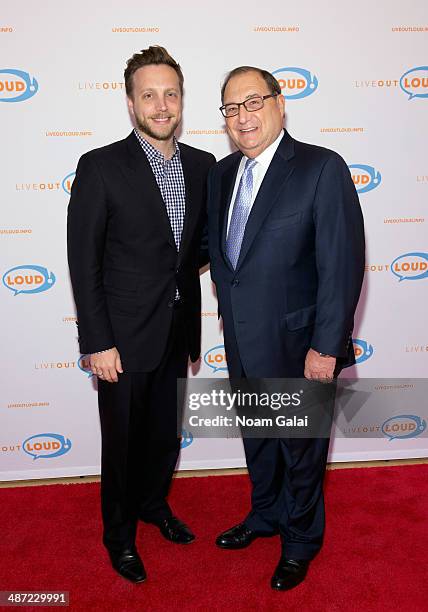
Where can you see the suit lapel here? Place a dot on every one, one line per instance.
(139, 173)
(279, 171)
(191, 214)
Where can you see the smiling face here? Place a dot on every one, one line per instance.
(156, 102)
(253, 132)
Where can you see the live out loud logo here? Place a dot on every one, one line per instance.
(410, 266)
(46, 445)
(67, 182)
(296, 82)
(403, 426)
(365, 177)
(49, 186)
(414, 82)
(215, 358)
(186, 438)
(362, 350)
(28, 279)
(16, 85)
(84, 365)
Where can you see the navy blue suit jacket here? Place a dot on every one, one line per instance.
(300, 270)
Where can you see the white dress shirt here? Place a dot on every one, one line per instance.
(259, 171)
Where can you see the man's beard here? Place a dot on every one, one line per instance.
(146, 129)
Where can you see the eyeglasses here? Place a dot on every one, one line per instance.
(252, 104)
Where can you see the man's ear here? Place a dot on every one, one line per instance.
(130, 105)
(281, 104)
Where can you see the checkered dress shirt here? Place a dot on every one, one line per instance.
(170, 179)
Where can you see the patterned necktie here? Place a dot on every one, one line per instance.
(241, 210)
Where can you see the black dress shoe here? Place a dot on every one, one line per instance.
(289, 573)
(175, 530)
(128, 564)
(239, 536)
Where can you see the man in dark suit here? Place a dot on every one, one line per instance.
(136, 214)
(286, 246)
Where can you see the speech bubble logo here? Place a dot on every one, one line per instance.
(28, 279)
(16, 85)
(365, 177)
(403, 426)
(414, 82)
(215, 358)
(83, 365)
(410, 266)
(186, 438)
(46, 445)
(362, 349)
(67, 182)
(296, 82)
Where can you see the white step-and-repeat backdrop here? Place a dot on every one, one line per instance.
(355, 78)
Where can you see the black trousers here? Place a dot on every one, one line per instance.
(140, 441)
(287, 490)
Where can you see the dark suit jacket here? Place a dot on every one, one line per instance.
(123, 261)
(301, 265)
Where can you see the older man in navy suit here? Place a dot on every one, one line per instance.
(286, 244)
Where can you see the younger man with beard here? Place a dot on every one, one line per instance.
(135, 219)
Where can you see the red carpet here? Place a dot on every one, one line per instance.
(374, 557)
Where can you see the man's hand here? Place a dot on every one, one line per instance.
(318, 367)
(106, 365)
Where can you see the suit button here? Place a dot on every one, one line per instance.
(171, 304)
(235, 282)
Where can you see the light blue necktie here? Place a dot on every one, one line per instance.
(241, 210)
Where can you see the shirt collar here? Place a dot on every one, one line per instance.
(151, 151)
(265, 158)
